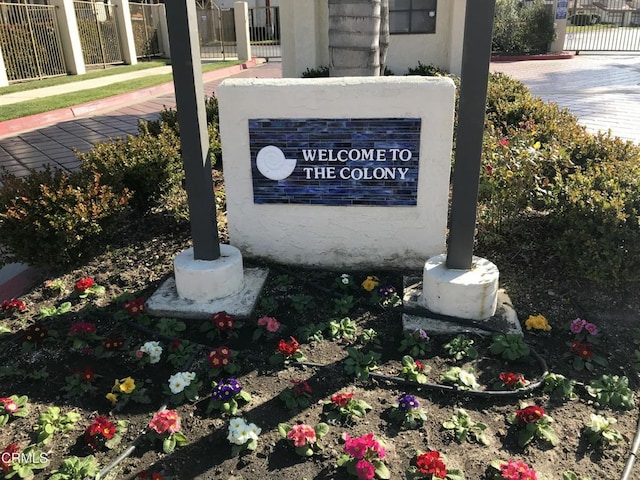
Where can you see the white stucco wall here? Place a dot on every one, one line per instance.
(305, 42)
(339, 236)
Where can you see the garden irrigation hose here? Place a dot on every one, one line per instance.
(628, 468)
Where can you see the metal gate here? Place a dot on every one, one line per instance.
(606, 25)
(217, 33)
(30, 41)
(98, 28)
(264, 32)
(145, 20)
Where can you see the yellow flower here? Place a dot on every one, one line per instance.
(370, 283)
(128, 385)
(112, 398)
(537, 322)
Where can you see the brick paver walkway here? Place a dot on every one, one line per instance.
(55, 145)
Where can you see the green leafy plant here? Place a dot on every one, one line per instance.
(52, 422)
(600, 431)
(461, 347)
(297, 396)
(305, 438)
(170, 327)
(571, 475)
(559, 386)
(318, 72)
(414, 370)
(344, 304)
(344, 409)
(612, 390)
(312, 332)
(13, 406)
(22, 463)
(76, 468)
(360, 363)
(509, 347)
(302, 303)
(464, 379)
(533, 422)
(343, 329)
(415, 343)
(466, 430)
(80, 383)
(179, 352)
(369, 337)
(53, 311)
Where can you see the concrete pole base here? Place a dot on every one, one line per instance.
(206, 280)
(469, 294)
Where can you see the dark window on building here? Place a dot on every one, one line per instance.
(412, 16)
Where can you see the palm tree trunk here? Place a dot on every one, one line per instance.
(354, 37)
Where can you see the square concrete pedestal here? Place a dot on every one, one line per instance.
(505, 319)
(165, 302)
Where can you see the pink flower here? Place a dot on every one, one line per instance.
(365, 470)
(359, 447)
(165, 421)
(302, 434)
(10, 406)
(519, 470)
(591, 328)
(271, 324)
(577, 325)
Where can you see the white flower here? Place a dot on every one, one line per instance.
(154, 350)
(599, 423)
(345, 278)
(181, 380)
(240, 432)
(468, 379)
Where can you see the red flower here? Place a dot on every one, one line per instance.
(504, 142)
(583, 350)
(101, 429)
(82, 328)
(301, 387)
(419, 366)
(175, 344)
(35, 333)
(431, 463)
(288, 348)
(88, 375)
(13, 305)
(223, 321)
(7, 456)
(219, 357)
(84, 284)
(341, 399)
(512, 380)
(488, 169)
(134, 307)
(530, 414)
(113, 342)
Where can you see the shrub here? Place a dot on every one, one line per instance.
(597, 212)
(520, 28)
(169, 118)
(53, 218)
(318, 72)
(147, 165)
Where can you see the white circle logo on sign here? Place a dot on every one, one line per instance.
(272, 164)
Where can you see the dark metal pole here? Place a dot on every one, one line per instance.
(187, 81)
(476, 55)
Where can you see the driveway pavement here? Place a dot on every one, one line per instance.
(602, 90)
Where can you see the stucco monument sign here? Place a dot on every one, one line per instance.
(338, 172)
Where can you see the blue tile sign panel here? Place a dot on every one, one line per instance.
(338, 161)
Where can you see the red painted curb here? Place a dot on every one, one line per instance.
(522, 58)
(18, 125)
(19, 284)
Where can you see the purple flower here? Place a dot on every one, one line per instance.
(386, 291)
(422, 334)
(591, 328)
(224, 390)
(577, 325)
(407, 402)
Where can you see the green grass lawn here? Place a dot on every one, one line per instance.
(32, 107)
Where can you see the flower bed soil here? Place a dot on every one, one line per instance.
(144, 261)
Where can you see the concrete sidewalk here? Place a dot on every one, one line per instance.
(17, 97)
